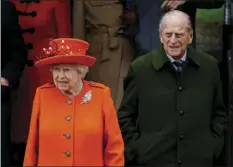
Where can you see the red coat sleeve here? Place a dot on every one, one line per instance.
(114, 145)
(31, 153)
(63, 20)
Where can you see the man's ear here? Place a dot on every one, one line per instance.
(190, 36)
(161, 37)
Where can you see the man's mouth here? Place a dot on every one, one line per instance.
(174, 47)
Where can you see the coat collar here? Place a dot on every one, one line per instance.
(159, 57)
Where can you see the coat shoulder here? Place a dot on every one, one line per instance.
(142, 61)
(207, 59)
(96, 85)
(47, 86)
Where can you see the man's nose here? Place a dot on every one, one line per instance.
(173, 39)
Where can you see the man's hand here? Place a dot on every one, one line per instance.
(4, 89)
(4, 82)
(172, 4)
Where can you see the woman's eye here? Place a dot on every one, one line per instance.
(55, 69)
(66, 69)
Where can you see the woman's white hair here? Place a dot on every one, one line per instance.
(83, 69)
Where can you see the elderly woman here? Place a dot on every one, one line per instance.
(73, 121)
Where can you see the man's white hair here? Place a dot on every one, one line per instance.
(83, 69)
(173, 15)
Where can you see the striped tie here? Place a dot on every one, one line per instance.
(178, 65)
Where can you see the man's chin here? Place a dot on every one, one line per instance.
(174, 53)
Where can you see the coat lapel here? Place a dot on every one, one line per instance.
(159, 57)
(193, 57)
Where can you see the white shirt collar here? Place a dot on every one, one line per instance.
(183, 58)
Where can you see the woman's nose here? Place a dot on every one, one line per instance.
(61, 74)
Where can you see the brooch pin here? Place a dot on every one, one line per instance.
(87, 97)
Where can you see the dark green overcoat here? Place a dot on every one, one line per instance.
(167, 120)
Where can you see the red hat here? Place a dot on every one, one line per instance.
(66, 51)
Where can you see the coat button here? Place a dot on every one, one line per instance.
(180, 88)
(181, 112)
(181, 137)
(68, 136)
(67, 153)
(180, 162)
(69, 102)
(68, 118)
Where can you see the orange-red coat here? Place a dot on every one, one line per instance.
(40, 22)
(64, 132)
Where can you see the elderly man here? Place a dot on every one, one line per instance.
(172, 112)
(148, 12)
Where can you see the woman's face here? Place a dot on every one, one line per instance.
(66, 77)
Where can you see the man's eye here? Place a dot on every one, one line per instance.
(168, 34)
(179, 35)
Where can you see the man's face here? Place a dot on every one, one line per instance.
(175, 38)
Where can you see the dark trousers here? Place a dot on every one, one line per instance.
(6, 155)
(18, 152)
